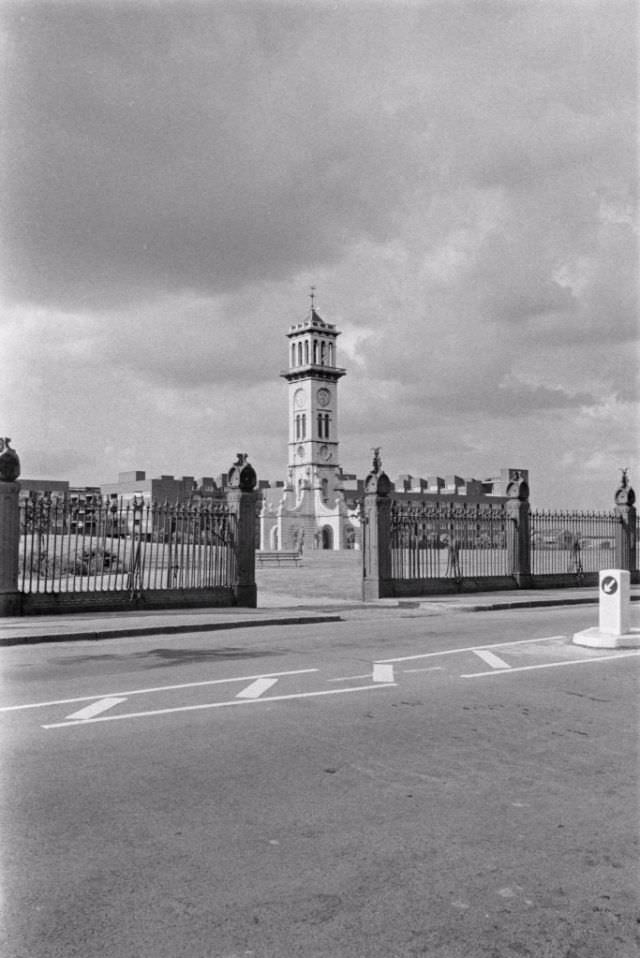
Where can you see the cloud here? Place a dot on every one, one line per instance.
(515, 394)
(160, 151)
(200, 147)
(458, 181)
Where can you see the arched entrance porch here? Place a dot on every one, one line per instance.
(327, 537)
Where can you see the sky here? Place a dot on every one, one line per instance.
(456, 178)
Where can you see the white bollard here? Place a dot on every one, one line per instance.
(615, 599)
(614, 630)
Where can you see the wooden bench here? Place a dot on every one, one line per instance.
(278, 558)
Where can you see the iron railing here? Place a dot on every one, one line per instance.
(574, 542)
(137, 546)
(448, 540)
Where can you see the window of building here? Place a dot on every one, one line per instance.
(323, 425)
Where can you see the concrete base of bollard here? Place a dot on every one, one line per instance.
(595, 638)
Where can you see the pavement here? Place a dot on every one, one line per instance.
(274, 609)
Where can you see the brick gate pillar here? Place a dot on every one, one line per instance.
(241, 499)
(9, 529)
(625, 541)
(376, 552)
(519, 532)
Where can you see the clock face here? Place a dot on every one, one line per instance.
(324, 397)
(300, 451)
(298, 398)
(325, 453)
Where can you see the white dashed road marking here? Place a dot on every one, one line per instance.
(382, 672)
(158, 688)
(473, 648)
(350, 678)
(426, 668)
(493, 660)
(381, 676)
(94, 709)
(220, 705)
(550, 665)
(255, 690)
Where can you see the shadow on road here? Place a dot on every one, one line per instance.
(180, 656)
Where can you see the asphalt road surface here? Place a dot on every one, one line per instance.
(395, 785)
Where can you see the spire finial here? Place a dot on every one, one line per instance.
(312, 297)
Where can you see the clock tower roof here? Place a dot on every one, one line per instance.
(316, 319)
(313, 349)
(313, 322)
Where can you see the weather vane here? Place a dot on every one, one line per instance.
(312, 296)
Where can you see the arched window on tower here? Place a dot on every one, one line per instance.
(331, 360)
(323, 354)
(323, 425)
(306, 352)
(304, 426)
(299, 354)
(293, 354)
(315, 352)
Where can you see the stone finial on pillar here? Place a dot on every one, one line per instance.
(518, 530)
(242, 475)
(377, 480)
(9, 462)
(625, 496)
(518, 487)
(625, 536)
(9, 528)
(376, 529)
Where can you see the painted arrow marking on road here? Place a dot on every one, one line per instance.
(90, 711)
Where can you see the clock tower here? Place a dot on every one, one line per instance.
(309, 510)
(313, 405)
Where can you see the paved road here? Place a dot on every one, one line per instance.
(390, 786)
